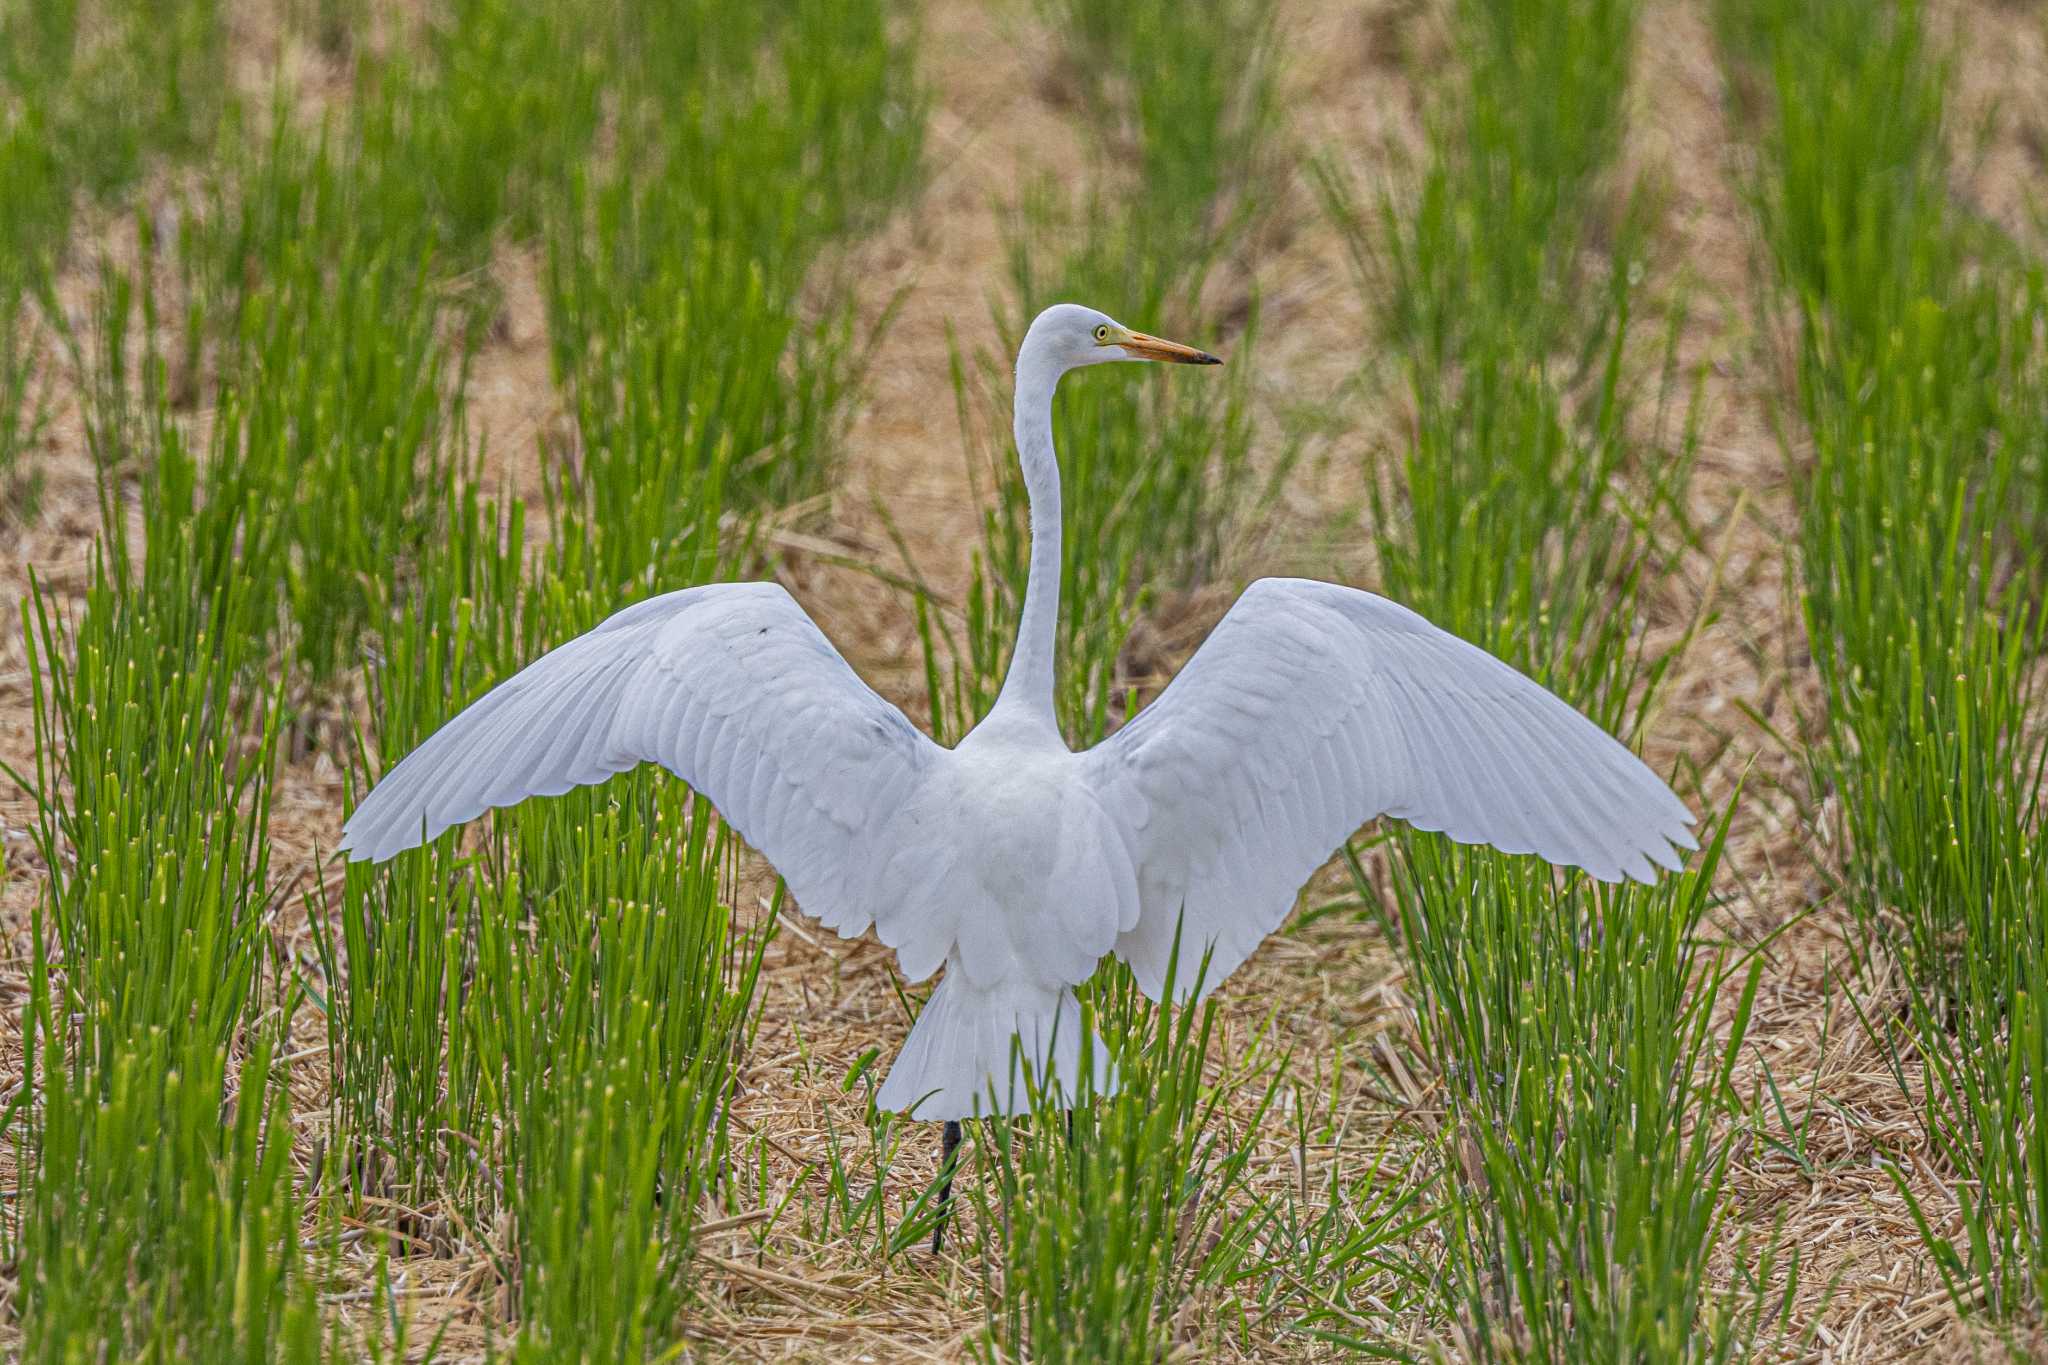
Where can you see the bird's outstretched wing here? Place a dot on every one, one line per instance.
(729, 686)
(1313, 708)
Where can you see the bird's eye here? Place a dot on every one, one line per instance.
(1102, 331)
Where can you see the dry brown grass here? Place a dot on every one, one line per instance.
(1336, 989)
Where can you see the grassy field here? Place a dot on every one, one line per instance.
(1687, 353)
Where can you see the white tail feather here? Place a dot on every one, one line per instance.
(959, 1063)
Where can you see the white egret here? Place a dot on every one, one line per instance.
(1012, 861)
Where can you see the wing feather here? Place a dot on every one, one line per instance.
(729, 686)
(1311, 709)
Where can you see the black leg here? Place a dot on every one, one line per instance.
(1074, 1155)
(949, 1143)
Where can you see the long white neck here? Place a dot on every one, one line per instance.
(1027, 688)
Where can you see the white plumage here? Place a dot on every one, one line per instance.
(1012, 861)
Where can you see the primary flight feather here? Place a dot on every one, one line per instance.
(1011, 860)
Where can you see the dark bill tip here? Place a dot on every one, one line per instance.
(1146, 347)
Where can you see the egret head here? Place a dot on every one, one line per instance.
(1073, 336)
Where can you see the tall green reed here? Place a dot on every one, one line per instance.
(1104, 1220)
(473, 132)
(96, 88)
(159, 1216)
(547, 1027)
(24, 408)
(614, 1032)
(330, 425)
(543, 1019)
(1586, 1082)
(1138, 1225)
(1510, 285)
(695, 318)
(338, 283)
(1920, 384)
(399, 949)
(1514, 202)
(324, 316)
(1587, 1140)
(91, 93)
